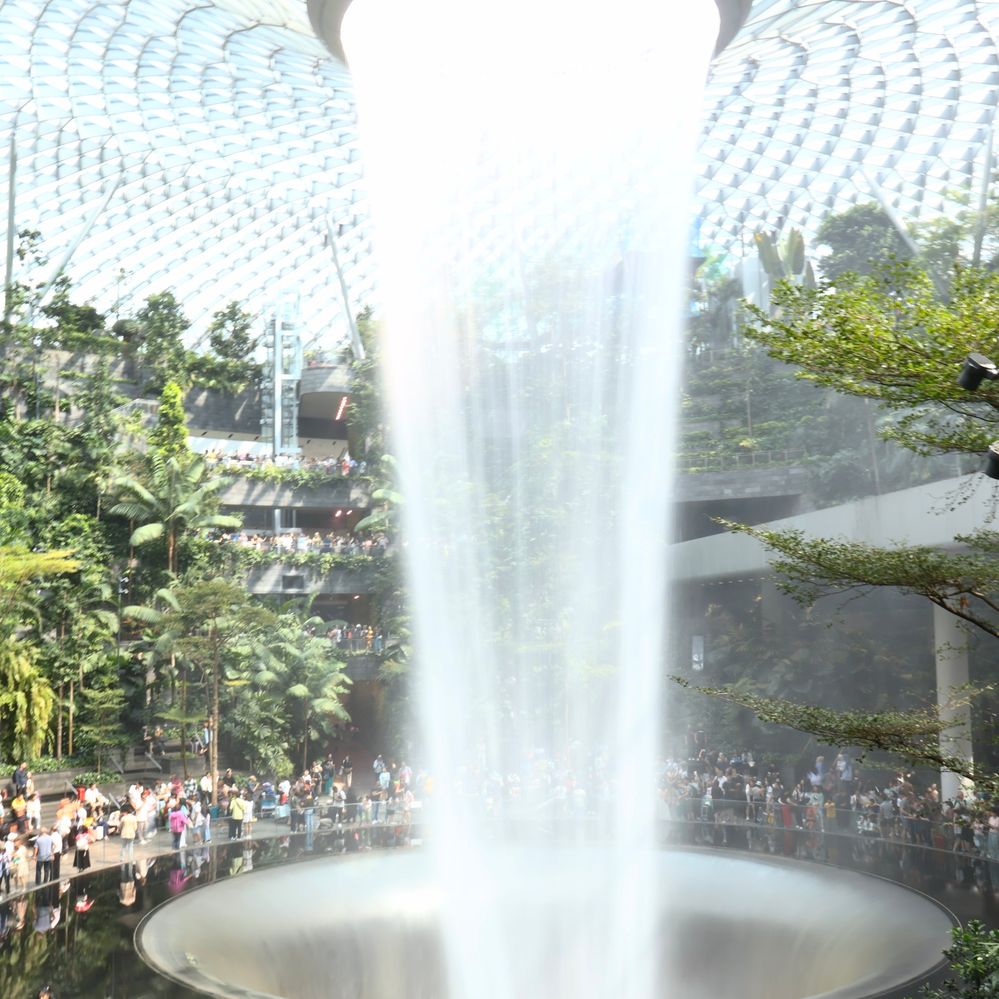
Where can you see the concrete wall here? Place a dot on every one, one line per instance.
(273, 579)
(746, 483)
(335, 379)
(347, 493)
(923, 515)
(208, 409)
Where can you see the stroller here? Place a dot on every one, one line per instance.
(268, 800)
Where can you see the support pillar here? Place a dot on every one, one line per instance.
(8, 287)
(951, 652)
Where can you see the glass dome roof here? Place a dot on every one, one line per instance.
(821, 104)
(209, 146)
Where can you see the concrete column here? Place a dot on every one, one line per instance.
(951, 651)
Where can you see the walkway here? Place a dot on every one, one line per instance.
(923, 515)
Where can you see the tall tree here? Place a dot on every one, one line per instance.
(26, 696)
(230, 333)
(169, 436)
(177, 494)
(163, 325)
(216, 628)
(860, 240)
(299, 668)
(889, 337)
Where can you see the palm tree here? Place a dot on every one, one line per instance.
(214, 627)
(297, 666)
(178, 494)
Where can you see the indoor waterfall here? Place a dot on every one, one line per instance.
(530, 167)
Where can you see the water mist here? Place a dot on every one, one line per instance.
(530, 169)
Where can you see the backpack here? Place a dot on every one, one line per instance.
(177, 822)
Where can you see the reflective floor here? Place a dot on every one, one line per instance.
(78, 937)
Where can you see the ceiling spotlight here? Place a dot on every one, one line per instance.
(976, 368)
(991, 468)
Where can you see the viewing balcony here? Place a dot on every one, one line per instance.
(289, 580)
(322, 493)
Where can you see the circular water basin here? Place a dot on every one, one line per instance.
(369, 927)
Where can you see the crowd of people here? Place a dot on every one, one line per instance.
(326, 796)
(79, 822)
(324, 542)
(714, 797)
(342, 465)
(730, 800)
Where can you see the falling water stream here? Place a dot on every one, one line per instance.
(530, 168)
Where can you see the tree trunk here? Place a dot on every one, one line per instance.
(183, 723)
(70, 718)
(305, 742)
(172, 551)
(59, 725)
(213, 759)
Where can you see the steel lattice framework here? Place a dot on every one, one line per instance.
(208, 146)
(821, 104)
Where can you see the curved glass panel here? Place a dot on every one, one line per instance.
(205, 148)
(822, 104)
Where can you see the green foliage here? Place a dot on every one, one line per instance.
(974, 956)
(861, 240)
(161, 328)
(804, 658)
(169, 436)
(309, 478)
(11, 491)
(964, 583)
(77, 327)
(102, 728)
(384, 517)
(88, 777)
(297, 671)
(230, 333)
(176, 494)
(218, 631)
(98, 399)
(913, 736)
(26, 701)
(323, 562)
(889, 337)
(716, 311)
(222, 374)
(367, 421)
(44, 764)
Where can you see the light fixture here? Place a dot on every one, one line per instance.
(340, 409)
(976, 368)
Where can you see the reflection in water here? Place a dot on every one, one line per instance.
(90, 955)
(265, 936)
